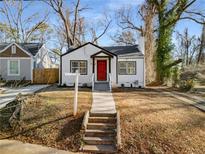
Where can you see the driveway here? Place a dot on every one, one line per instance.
(10, 94)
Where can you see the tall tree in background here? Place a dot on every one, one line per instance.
(187, 48)
(19, 27)
(167, 18)
(124, 38)
(201, 55)
(160, 18)
(127, 23)
(169, 13)
(64, 14)
(73, 24)
(148, 12)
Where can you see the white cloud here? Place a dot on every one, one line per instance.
(117, 4)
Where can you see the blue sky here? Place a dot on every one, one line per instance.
(97, 8)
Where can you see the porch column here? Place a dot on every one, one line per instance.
(93, 64)
(109, 65)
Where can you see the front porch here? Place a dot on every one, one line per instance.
(102, 71)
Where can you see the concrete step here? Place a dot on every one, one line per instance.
(102, 114)
(99, 133)
(102, 86)
(102, 120)
(99, 140)
(101, 126)
(100, 148)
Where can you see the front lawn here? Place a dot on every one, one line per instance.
(47, 119)
(152, 122)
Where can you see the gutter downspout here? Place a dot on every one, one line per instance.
(32, 68)
(60, 71)
(142, 49)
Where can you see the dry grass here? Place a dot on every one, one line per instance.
(47, 119)
(151, 122)
(154, 123)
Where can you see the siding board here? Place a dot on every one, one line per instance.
(19, 53)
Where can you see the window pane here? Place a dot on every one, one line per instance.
(122, 71)
(122, 64)
(131, 70)
(74, 64)
(131, 64)
(83, 71)
(82, 64)
(127, 68)
(13, 67)
(73, 70)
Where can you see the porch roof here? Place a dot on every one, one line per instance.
(109, 54)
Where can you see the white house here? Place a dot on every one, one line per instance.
(103, 67)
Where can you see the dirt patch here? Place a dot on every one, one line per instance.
(47, 119)
(153, 122)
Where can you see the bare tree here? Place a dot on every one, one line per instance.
(99, 28)
(126, 22)
(124, 38)
(188, 48)
(64, 14)
(157, 16)
(20, 28)
(201, 55)
(74, 24)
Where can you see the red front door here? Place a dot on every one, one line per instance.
(101, 70)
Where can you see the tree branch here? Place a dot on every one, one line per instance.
(102, 32)
(173, 63)
(75, 20)
(193, 19)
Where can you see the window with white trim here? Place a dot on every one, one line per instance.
(13, 49)
(80, 65)
(127, 67)
(13, 67)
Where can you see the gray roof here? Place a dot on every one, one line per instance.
(117, 50)
(32, 48)
(121, 50)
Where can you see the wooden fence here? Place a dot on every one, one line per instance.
(45, 76)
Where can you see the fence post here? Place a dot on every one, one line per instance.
(75, 105)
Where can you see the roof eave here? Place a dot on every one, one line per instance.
(85, 45)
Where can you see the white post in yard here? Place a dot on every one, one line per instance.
(75, 105)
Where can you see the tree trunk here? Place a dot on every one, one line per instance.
(164, 47)
(202, 46)
(150, 49)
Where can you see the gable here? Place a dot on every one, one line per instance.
(89, 45)
(101, 54)
(19, 52)
(83, 52)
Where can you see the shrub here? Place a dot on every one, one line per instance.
(175, 76)
(186, 85)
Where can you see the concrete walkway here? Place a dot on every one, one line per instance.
(103, 102)
(17, 147)
(10, 94)
(190, 99)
